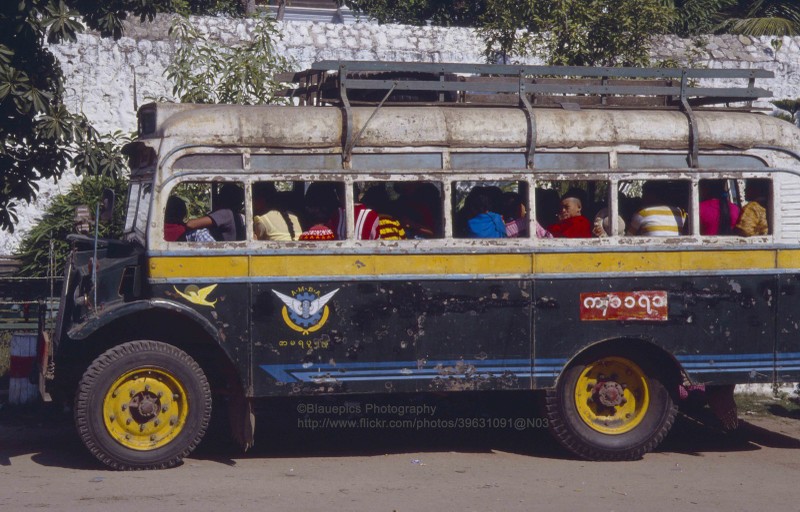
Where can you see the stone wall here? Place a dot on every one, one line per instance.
(100, 72)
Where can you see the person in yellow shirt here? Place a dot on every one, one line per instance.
(753, 220)
(271, 222)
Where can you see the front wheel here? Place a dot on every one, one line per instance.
(142, 405)
(608, 408)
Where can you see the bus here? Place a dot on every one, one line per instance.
(610, 237)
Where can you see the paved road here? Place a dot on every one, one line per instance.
(295, 467)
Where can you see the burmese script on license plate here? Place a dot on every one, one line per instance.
(642, 305)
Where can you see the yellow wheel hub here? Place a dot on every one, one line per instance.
(145, 409)
(612, 395)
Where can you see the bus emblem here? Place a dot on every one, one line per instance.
(196, 295)
(643, 305)
(306, 309)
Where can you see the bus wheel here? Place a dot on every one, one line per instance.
(609, 409)
(142, 405)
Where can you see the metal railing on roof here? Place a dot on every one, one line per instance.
(344, 83)
(337, 82)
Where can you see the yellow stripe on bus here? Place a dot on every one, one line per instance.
(166, 267)
(391, 264)
(198, 266)
(622, 262)
(788, 259)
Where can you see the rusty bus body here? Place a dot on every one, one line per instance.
(611, 327)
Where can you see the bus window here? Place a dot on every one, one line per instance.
(205, 212)
(323, 212)
(718, 212)
(277, 207)
(490, 209)
(567, 209)
(656, 208)
(405, 209)
(754, 218)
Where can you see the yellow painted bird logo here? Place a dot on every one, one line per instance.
(197, 295)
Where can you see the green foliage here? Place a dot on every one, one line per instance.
(603, 32)
(697, 17)
(204, 70)
(790, 106)
(500, 26)
(763, 18)
(446, 13)
(39, 137)
(58, 222)
(573, 32)
(197, 197)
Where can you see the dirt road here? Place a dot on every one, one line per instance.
(44, 466)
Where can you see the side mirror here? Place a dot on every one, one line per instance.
(107, 205)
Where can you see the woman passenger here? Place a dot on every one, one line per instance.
(718, 215)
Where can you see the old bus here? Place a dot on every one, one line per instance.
(609, 324)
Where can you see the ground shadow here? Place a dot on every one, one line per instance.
(359, 426)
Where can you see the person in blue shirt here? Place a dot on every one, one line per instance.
(483, 223)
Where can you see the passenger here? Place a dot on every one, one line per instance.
(318, 230)
(547, 202)
(754, 221)
(601, 227)
(377, 199)
(571, 222)
(656, 218)
(718, 215)
(516, 218)
(420, 209)
(366, 220)
(174, 228)
(414, 221)
(225, 222)
(272, 221)
(482, 223)
(515, 215)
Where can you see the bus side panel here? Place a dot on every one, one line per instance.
(720, 329)
(787, 368)
(391, 336)
(221, 304)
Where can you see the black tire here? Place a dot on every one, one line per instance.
(142, 405)
(596, 431)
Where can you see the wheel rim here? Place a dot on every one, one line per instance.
(612, 395)
(145, 409)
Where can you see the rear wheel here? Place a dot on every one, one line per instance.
(609, 408)
(142, 405)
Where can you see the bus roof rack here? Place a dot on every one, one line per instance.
(345, 83)
(340, 82)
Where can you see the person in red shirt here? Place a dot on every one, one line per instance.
(174, 228)
(571, 223)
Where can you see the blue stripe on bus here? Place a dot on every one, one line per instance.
(407, 370)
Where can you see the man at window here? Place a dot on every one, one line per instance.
(571, 222)
(225, 222)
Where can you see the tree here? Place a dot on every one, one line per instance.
(206, 71)
(445, 13)
(697, 17)
(763, 18)
(58, 221)
(601, 32)
(576, 32)
(39, 137)
(202, 71)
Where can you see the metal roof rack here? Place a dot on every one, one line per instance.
(334, 82)
(346, 83)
